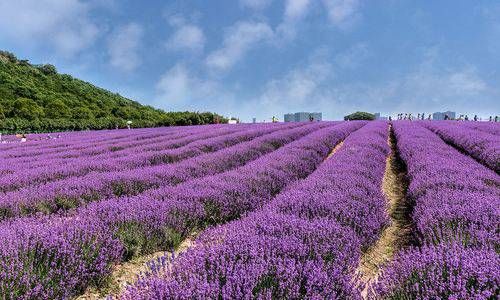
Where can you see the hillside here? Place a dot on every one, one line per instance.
(37, 98)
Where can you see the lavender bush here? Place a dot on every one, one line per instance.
(71, 192)
(442, 272)
(456, 198)
(121, 222)
(456, 220)
(282, 251)
(483, 146)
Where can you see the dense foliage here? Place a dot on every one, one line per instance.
(359, 115)
(36, 98)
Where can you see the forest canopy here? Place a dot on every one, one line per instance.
(36, 98)
(360, 115)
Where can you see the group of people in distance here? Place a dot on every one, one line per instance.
(410, 117)
(24, 138)
(406, 116)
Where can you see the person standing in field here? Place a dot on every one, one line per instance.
(475, 118)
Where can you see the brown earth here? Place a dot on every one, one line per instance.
(126, 274)
(397, 234)
(335, 149)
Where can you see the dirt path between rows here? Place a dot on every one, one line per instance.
(126, 274)
(335, 149)
(398, 234)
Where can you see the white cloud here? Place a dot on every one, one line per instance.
(466, 81)
(340, 11)
(64, 25)
(255, 4)
(123, 46)
(238, 40)
(353, 57)
(179, 88)
(425, 89)
(302, 88)
(295, 9)
(174, 85)
(186, 37)
(296, 88)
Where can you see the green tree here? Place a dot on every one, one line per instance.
(56, 109)
(82, 113)
(47, 69)
(27, 109)
(360, 115)
(37, 98)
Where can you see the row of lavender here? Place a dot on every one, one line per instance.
(36, 147)
(54, 257)
(483, 146)
(305, 243)
(490, 127)
(91, 151)
(20, 165)
(456, 217)
(74, 191)
(87, 149)
(169, 149)
(92, 147)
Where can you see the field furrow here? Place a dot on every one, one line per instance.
(72, 192)
(312, 210)
(80, 250)
(456, 221)
(397, 235)
(305, 243)
(172, 150)
(482, 146)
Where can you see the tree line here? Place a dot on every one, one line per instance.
(36, 98)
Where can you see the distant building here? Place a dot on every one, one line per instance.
(441, 115)
(303, 117)
(254, 120)
(317, 116)
(378, 117)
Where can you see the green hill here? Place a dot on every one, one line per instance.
(36, 98)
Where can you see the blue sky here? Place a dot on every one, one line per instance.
(259, 58)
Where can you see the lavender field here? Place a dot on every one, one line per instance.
(315, 210)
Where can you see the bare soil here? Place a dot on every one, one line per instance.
(398, 234)
(126, 274)
(335, 149)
